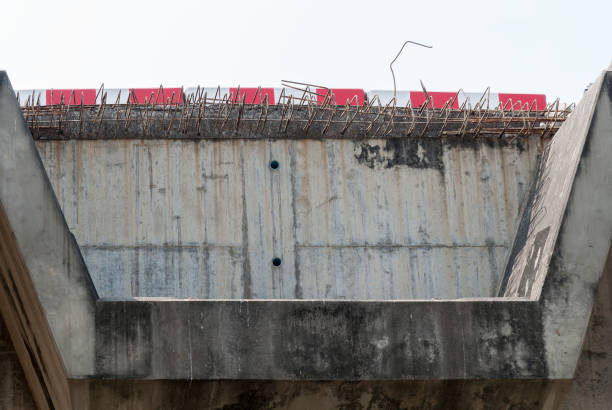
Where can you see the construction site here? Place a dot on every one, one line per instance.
(305, 247)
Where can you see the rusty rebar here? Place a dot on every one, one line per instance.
(198, 115)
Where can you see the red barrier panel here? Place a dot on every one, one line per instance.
(439, 98)
(340, 96)
(152, 95)
(252, 95)
(71, 96)
(522, 101)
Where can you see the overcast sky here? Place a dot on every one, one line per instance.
(551, 47)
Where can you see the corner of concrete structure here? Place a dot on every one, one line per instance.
(560, 248)
(49, 251)
(584, 239)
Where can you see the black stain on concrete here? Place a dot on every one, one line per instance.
(246, 263)
(532, 211)
(298, 291)
(533, 262)
(511, 341)
(467, 142)
(317, 353)
(123, 337)
(422, 153)
(330, 341)
(253, 399)
(410, 152)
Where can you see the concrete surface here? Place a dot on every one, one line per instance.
(46, 295)
(313, 340)
(48, 248)
(529, 337)
(566, 231)
(591, 388)
(204, 219)
(534, 330)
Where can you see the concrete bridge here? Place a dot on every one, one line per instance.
(321, 257)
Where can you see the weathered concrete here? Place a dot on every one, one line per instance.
(580, 150)
(360, 340)
(590, 391)
(46, 296)
(591, 388)
(534, 330)
(566, 233)
(316, 340)
(204, 219)
(49, 250)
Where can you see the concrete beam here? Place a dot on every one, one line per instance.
(44, 273)
(319, 340)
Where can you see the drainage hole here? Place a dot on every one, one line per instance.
(274, 165)
(276, 261)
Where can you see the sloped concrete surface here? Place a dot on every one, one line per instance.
(46, 295)
(49, 250)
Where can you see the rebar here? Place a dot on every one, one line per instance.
(198, 115)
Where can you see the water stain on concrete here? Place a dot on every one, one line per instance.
(411, 152)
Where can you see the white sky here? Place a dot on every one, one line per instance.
(552, 47)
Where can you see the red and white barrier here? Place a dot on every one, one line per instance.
(256, 95)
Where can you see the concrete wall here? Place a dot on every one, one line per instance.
(351, 219)
(592, 386)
